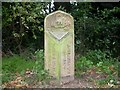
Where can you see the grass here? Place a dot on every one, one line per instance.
(14, 64)
(17, 66)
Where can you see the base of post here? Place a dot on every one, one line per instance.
(62, 80)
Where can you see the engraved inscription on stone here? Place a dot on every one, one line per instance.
(59, 45)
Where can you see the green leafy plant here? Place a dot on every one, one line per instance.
(109, 80)
(100, 64)
(82, 65)
(38, 69)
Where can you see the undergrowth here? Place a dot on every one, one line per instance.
(14, 64)
(20, 65)
(93, 65)
(98, 64)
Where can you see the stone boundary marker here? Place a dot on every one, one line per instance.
(59, 46)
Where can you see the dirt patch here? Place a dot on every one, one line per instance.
(77, 83)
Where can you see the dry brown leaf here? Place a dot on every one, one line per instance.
(19, 86)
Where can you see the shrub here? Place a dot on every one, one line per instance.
(97, 55)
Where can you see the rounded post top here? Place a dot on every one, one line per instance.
(58, 12)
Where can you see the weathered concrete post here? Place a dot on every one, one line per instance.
(59, 46)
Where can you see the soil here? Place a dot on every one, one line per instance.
(86, 80)
(77, 83)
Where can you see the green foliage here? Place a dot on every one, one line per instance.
(96, 28)
(97, 56)
(14, 64)
(18, 64)
(101, 62)
(108, 80)
(118, 69)
(23, 24)
(28, 54)
(38, 69)
(82, 65)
